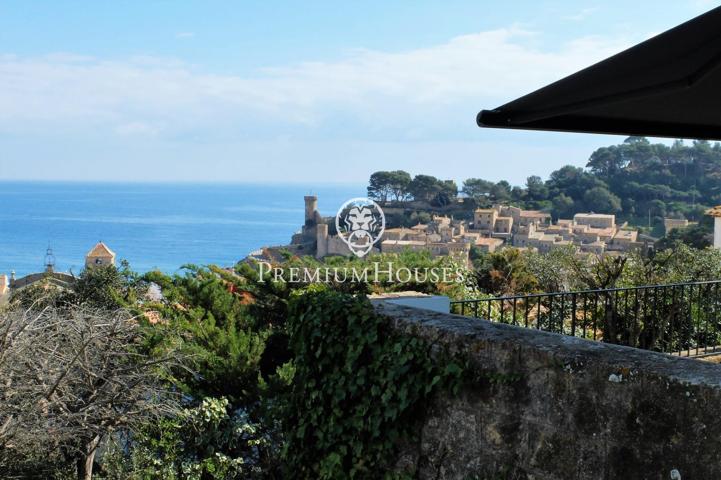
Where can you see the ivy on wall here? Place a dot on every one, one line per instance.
(357, 390)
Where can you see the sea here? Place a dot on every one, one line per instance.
(152, 226)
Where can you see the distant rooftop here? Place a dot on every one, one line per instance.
(489, 241)
(534, 214)
(100, 250)
(403, 242)
(630, 234)
(594, 215)
(714, 212)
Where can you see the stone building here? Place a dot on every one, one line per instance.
(595, 220)
(494, 227)
(491, 229)
(398, 246)
(671, 223)
(49, 275)
(589, 232)
(311, 220)
(624, 240)
(488, 245)
(502, 221)
(315, 237)
(484, 219)
(99, 256)
(503, 228)
(442, 236)
(327, 244)
(523, 218)
(58, 279)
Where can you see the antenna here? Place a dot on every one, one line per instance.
(49, 260)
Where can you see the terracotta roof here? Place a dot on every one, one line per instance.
(714, 212)
(100, 250)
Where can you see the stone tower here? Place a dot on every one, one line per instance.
(99, 256)
(321, 249)
(311, 205)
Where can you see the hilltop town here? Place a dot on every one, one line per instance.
(490, 229)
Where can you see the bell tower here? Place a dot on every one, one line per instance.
(99, 256)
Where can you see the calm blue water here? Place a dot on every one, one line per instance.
(153, 226)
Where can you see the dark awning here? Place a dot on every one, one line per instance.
(668, 86)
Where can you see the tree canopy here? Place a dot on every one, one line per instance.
(639, 181)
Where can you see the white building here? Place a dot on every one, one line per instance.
(716, 213)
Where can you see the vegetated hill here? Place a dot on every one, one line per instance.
(639, 181)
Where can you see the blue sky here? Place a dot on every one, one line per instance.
(307, 92)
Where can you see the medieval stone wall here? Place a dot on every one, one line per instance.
(552, 407)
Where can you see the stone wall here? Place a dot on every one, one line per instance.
(545, 406)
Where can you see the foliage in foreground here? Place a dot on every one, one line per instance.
(357, 390)
(205, 312)
(231, 327)
(514, 272)
(206, 442)
(355, 386)
(69, 379)
(106, 288)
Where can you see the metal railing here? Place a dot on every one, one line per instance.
(681, 319)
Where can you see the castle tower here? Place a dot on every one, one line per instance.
(321, 240)
(100, 255)
(311, 205)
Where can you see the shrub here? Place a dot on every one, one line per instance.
(207, 442)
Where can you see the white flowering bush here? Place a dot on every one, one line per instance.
(206, 442)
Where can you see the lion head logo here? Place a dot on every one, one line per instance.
(360, 223)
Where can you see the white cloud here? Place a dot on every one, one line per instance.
(156, 96)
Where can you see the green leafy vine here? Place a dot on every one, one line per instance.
(358, 388)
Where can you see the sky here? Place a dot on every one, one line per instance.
(296, 92)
